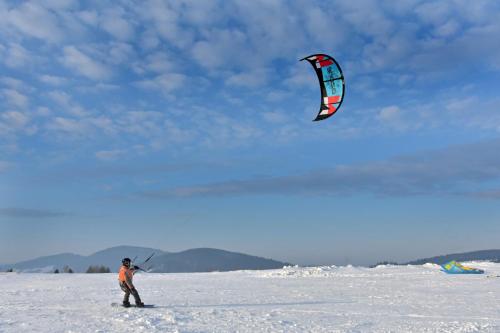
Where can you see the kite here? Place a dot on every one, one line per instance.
(331, 81)
(454, 267)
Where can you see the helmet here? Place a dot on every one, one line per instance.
(126, 261)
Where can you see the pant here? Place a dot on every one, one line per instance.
(129, 291)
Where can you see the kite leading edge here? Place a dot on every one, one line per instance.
(331, 81)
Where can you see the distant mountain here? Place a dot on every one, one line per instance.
(110, 258)
(209, 260)
(194, 260)
(48, 263)
(491, 255)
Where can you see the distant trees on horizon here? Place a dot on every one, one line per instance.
(98, 269)
(67, 269)
(91, 269)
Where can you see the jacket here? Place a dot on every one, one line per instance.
(125, 275)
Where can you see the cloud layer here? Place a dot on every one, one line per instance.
(458, 170)
(223, 79)
(19, 212)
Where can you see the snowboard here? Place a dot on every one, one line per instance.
(132, 306)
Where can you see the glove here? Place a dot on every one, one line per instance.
(137, 268)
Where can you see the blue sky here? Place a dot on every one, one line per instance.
(180, 124)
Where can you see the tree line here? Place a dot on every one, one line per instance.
(67, 269)
(91, 269)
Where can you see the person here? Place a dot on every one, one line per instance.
(125, 277)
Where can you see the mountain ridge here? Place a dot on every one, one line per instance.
(191, 260)
(209, 260)
(110, 257)
(491, 255)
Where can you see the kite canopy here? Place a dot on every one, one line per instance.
(331, 81)
(454, 267)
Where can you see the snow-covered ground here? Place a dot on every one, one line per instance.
(293, 299)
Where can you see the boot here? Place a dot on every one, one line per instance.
(139, 305)
(126, 304)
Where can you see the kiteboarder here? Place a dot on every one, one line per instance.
(125, 277)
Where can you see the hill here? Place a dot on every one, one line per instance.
(109, 257)
(490, 255)
(194, 260)
(208, 260)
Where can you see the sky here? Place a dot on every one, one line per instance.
(183, 124)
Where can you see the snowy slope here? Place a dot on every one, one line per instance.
(293, 299)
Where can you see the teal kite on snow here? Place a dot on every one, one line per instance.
(454, 267)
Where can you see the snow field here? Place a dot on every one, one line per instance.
(292, 299)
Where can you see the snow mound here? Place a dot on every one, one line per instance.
(349, 271)
(296, 271)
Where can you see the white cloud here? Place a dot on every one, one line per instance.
(85, 65)
(105, 124)
(277, 95)
(166, 82)
(301, 76)
(461, 105)
(250, 79)
(43, 111)
(65, 101)
(120, 53)
(389, 114)
(53, 80)
(318, 20)
(109, 155)
(15, 119)
(60, 97)
(141, 122)
(100, 87)
(222, 47)
(90, 17)
(275, 116)
(367, 18)
(409, 119)
(14, 123)
(34, 20)
(60, 4)
(11, 82)
(164, 17)
(203, 13)
(68, 125)
(112, 21)
(157, 62)
(16, 56)
(149, 40)
(15, 98)
(435, 12)
(447, 29)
